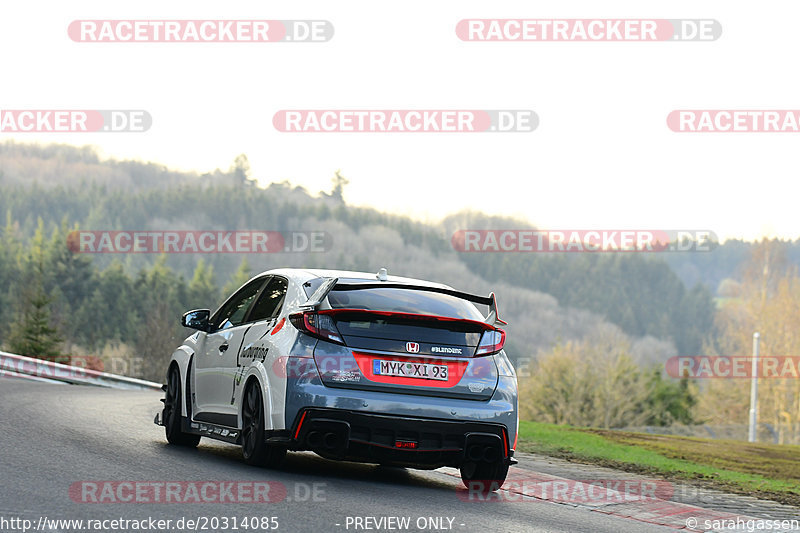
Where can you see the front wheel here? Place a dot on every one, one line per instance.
(254, 448)
(172, 413)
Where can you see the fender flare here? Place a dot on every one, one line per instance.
(257, 372)
(181, 358)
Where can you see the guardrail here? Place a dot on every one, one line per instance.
(14, 365)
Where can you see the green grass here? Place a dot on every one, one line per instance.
(764, 470)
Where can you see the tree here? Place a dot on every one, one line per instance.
(68, 280)
(71, 271)
(240, 277)
(559, 389)
(339, 183)
(32, 333)
(670, 402)
(640, 294)
(241, 171)
(203, 292)
(10, 272)
(162, 300)
(111, 312)
(596, 383)
(767, 301)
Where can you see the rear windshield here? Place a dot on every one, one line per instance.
(404, 301)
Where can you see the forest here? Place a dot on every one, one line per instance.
(589, 333)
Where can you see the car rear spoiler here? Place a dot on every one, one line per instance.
(332, 284)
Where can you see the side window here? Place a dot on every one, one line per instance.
(234, 311)
(270, 302)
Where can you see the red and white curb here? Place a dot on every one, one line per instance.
(634, 498)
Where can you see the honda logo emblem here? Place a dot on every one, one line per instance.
(412, 347)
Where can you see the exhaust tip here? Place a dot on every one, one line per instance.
(474, 453)
(314, 439)
(330, 440)
(490, 454)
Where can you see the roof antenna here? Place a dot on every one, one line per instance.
(383, 274)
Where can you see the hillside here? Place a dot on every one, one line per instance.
(547, 298)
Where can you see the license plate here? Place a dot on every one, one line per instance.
(409, 370)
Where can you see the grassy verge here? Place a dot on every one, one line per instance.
(763, 470)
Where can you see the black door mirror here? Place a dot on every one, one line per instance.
(197, 319)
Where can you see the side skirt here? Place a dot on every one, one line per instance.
(214, 431)
(231, 435)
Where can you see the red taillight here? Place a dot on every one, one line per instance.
(492, 341)
(318, 325)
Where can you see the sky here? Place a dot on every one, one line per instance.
(602, 156)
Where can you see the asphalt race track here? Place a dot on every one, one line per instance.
(54, 437)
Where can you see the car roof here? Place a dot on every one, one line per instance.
(301, 275)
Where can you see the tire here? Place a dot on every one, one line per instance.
(484, 477)
(254, 448)
(172, 412)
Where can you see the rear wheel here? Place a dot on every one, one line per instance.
(254, 448)
(172, 412)
(484, 477)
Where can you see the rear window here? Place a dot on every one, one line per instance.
(404, 301)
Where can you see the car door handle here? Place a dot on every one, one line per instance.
(223, 348)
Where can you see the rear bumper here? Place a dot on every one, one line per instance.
(372, 422)
(399, 440)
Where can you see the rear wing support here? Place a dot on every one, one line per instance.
(494, 314)
(322, 291)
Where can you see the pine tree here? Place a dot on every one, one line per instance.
(339, 183)
(31, 332)
(9, 273)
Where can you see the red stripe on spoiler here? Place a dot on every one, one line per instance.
(455, 370)
(482, 326)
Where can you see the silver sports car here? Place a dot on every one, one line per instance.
(353, 366)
